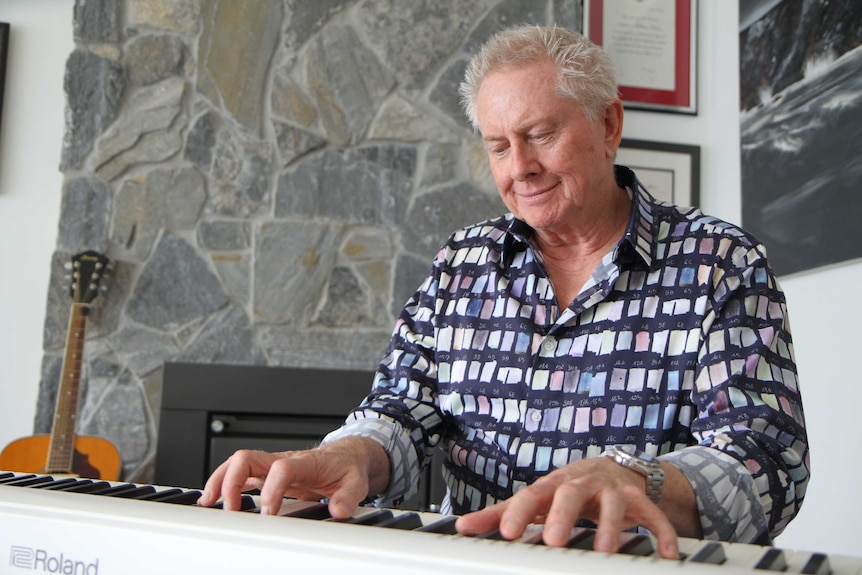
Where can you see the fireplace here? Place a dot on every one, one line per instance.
(209, 411)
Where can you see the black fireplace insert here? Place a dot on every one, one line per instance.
(210, 410)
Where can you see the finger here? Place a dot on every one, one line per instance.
(665, 534)
(310, 475)
(566, 509)
(526, 506)
(481, 521)
(212, 488)
(344, 501)
(612, 513)
(285, 475)
(630, 506)
(240, 468)
(654, 519)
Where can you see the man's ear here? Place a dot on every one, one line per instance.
(613, 123)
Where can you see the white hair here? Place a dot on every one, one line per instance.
(587, 73)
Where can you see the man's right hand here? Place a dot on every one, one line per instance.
(345, 471)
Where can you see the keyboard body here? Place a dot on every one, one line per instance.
(46, 530)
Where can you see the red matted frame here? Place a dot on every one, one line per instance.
(683, 98)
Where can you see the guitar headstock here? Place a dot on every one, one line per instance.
(88, 269)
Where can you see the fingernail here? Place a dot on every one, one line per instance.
(556, 533)
(604, 543)
(671, 550)
(508, 526)
(460, 527)
(345, 512)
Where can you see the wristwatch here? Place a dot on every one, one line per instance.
(643, 463)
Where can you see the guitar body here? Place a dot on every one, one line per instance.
(94, 457)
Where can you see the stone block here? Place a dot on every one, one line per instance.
(175, 287)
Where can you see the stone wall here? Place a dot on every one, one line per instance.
(270, 179)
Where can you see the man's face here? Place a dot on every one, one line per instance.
(548, 160)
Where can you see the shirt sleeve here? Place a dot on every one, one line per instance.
(751, 465)
(402, 413)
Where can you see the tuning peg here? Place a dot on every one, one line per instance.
(67, 266)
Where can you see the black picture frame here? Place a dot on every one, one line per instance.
(4, 48)
(669, 171)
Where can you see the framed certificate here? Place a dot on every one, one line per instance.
(670, 172)
(653, 43)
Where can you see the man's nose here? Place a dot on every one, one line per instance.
(524, 162)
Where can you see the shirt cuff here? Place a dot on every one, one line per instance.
(403, 464)
(727, 500)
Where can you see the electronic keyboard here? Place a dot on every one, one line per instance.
(67, 525)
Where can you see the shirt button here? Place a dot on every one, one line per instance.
(549, 345)
(536, 416)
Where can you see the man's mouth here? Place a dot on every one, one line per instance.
(536, 194)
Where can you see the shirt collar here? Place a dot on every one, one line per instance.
(641, 231)
(638, 241)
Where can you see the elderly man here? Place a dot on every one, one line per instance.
(592, 355)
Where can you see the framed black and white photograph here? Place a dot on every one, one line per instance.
(654, 45)
(800, 113)
(670, 172)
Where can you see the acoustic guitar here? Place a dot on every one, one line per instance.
(63, 452)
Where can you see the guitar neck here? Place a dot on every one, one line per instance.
(62, 445)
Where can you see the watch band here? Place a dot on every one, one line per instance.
(644, 464)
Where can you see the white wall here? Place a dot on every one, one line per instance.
(824, 319)
(31, 137)
(823, 324)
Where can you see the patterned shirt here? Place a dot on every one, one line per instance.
(677, 345)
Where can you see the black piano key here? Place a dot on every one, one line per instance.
(85, 487)
(163, 494)
(408, 521)
(370, 518)
(817, 564)
(534, 539)
(113, 490)
(712, 552)
(8, 480)
(772, 560)
(583, 539)
(135, 493)
(185, 498)
(57, 483)
(70, 486)
(636, 544)
(445, 526)
(317, 511)
(493, 534)
(246, 503)
(30, 481)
